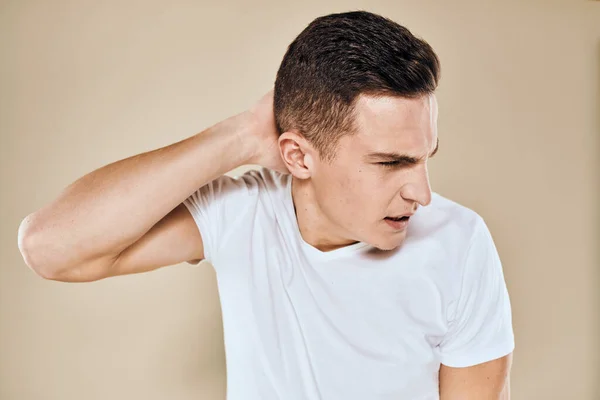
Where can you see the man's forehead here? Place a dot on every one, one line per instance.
(388, 123)
(389, 113)
(433, 105)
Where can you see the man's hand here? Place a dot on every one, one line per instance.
(264, 135)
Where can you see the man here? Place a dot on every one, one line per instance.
(341, 275)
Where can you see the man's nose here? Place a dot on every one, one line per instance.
(417, 188)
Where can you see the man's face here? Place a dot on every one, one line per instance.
(361, 189)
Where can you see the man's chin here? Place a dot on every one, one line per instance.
(388, 245)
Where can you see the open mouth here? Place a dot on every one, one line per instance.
(397, 218)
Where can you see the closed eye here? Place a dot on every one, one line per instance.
(389, 164)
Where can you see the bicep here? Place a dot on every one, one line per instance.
(489, 380)
(174, 239)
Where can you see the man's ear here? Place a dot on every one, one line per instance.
(297, 154)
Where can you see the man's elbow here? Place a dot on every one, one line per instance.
(26, 243)
(32, 248)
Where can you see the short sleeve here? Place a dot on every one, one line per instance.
(217, 205)
(480, 327)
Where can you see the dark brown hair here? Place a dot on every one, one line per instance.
(338, 57)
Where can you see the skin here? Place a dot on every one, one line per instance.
(356, 183)
(486, 381)
(344, 201)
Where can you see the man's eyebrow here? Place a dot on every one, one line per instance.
(401, 158)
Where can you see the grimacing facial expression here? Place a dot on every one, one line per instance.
(380, 171)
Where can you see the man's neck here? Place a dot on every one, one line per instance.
(315, 227)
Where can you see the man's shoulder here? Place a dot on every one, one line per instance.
(251, 188)
(445, 233)
(263, 178)
(448, 219)
(447, 206)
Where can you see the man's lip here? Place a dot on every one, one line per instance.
(400, 216)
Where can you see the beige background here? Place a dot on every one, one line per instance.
(84, 84)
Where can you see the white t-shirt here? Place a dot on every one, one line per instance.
(354, 323)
